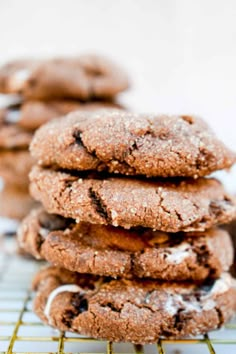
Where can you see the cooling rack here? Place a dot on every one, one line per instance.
(22, 332)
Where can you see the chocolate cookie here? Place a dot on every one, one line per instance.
(131, 311)
(15, 166)
(128, 143)
(189, 205)
(83, 77)
(14, 137)
(32, 114)
(116, 252)
(15, 202)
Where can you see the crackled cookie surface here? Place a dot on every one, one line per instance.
(116, 252)
(187, 205)
(84, 77)
(128, 310)
(127, 143)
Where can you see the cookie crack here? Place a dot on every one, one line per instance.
(39, 243)
(78, 139)
(101, 165)
(178, 320)
(57, 198)
(179, 216)
(77, 135)
(125, 161)
(204, 158)
(95, 322)
(162, 199)
(220, 317)
(132, 257)
(79, 305)
(98, 204)
(217, 211)
(119, 310)
(134, 146)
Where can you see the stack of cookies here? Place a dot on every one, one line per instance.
(45, 89)
(130, 226)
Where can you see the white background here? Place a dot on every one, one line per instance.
(181, 54)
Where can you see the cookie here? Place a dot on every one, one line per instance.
(187, 205)
(14, 137)
(15, 203)
(15, 166)
(132, 144)
(32, 114)
(116, 252)
(83, 77)
(130, 310)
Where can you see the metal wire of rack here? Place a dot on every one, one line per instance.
(22, 332)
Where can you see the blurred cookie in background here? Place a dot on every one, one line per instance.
(37, 91)
(83, 77)
(15, 166)
(15, 202)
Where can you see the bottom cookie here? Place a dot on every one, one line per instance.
(131, 311)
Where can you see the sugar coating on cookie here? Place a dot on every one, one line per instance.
(184, 205)
(131, 144)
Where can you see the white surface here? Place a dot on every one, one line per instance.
(181, 54)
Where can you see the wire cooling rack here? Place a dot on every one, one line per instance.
(22, 332)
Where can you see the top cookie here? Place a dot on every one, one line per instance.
(131, 144)
(83, 77)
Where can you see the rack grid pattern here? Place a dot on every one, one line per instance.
(22, 332)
